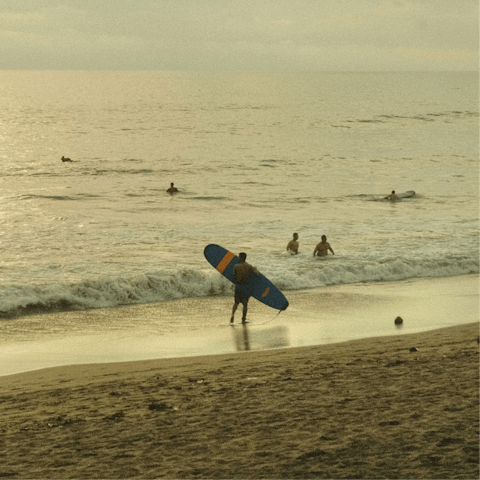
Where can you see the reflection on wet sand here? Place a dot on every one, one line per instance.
(252, 339)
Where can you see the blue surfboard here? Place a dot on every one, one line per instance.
(262, 288)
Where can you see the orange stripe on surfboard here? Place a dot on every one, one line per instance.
(224, 262)
(265, 293)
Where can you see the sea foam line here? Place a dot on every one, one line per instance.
(20, 300)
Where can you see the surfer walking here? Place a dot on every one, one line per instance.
(293, 244)
(172, 189)
(321, 250)
(241, 277)
(393, 196)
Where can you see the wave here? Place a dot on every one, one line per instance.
(130, 171)
(18, 300)
(84, 196)
(428, 117)
(207, 198)
(288, 273)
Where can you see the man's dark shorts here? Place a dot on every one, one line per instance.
(242, 293)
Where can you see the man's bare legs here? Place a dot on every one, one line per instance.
(245, 307)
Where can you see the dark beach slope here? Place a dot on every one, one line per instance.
(367, 408)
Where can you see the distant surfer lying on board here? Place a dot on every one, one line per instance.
(393, 196)
(292, 246)
(321, 250)
(241, 276)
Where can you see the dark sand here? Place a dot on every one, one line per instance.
(369, 408)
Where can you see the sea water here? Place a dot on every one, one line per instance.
(255, 156)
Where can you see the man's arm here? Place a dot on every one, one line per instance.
(235, 274)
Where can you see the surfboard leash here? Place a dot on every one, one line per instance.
(271, 320)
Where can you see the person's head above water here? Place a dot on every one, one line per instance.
(242, 256)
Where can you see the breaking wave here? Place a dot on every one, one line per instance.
(300, 273)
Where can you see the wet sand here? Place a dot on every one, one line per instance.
(404, 406)
(200, 326)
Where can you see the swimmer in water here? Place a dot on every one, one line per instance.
(393, 196)
(293, 244)
(172, 189)
(321, 250)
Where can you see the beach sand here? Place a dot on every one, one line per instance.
(368, 408)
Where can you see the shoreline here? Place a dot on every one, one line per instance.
(196, 327)
(339, 348)
(368, 408)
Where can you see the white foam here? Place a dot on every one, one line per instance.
(160, 286)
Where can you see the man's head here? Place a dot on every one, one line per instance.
(324, 238)
(171, 184)
(242, 256)
(393, 192)
(295, 236)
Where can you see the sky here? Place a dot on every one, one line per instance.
(240, 35)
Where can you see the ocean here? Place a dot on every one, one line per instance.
(255, 156)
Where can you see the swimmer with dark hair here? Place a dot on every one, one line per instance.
(172, 189)
(393, 196)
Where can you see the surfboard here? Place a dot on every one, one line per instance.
(262, 288)
(408, 194)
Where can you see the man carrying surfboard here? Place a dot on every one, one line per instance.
(259, 286)
(241, 277)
